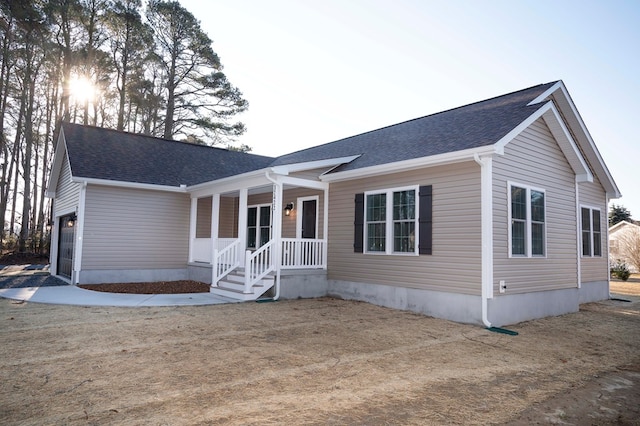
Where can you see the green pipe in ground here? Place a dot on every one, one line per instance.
(503, 331)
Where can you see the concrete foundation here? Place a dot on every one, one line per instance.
(200, 272)
(514, 308)
(593, 291)
(451, 306)
(503, 309)
(303, 284)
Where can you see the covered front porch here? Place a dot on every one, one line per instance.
(246, 234)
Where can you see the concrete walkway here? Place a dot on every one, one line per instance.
(72, 295)
(32, 283)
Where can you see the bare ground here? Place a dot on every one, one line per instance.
(321, 361)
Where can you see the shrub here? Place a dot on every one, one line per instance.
(620, 270)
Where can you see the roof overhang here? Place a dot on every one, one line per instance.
(412, 164)
(567, 110)
(258, 178)
(310, 165)
(131, 185)
(59, 157)
(549, 113)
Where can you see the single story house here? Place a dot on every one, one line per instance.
(476, 214)
(624, 240)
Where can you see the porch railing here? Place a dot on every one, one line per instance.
(225, 260)
(202, 248)
(303, 253)
(257, 265)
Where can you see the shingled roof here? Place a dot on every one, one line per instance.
(100, 153)
(471, 126)
(120, 156)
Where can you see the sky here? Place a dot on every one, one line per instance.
(318, 71)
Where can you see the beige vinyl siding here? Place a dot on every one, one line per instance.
(135, 229)
(227, 218)
(592, 195)
(289, 222)
(534, 159)
(67, 192)
(203, 218)
(228, 224)
(288, 196)
(455, 263)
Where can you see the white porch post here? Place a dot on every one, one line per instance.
(242, 223)
(325, 228)
(215, 223)
(192, 226)
(277, 223)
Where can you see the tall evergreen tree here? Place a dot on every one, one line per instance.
(618, 213)
(199, 98)
(130, 42)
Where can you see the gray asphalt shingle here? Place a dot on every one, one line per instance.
(113, 155)
(471, 126)
(100, 153)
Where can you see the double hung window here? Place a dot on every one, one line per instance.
(258, 225)
(591, 232)
(528, 223)
(391, 221)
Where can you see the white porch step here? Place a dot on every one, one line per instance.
(233, 294)
(232, 286)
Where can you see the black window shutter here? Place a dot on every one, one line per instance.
(425, 221)
(358, 223)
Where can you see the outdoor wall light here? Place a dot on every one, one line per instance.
(288, 208)
(70, 223)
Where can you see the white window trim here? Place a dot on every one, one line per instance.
(257, 206)
(528, 244)
(389, 221)
(591, 209)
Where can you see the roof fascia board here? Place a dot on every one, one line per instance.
(612, 189)
(415, 163)
(547, 93)
(560, 92)
(521, 127)
(58, 160)
(552, 117)
(230, 182)
(310, 165)
(305, 183)
(131, 185)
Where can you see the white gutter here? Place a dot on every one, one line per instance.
(277, 210)
(132, 185)
(579, 234)
(486, 220)
(412, 164)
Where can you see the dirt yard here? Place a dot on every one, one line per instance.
(322, 361)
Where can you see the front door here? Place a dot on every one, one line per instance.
(66, 240)
(309, 221)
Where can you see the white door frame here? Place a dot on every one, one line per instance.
(299, 205)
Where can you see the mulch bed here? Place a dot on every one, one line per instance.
(159, 287)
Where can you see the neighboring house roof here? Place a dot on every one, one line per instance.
(105, 154)
(621, 225)
(472, 126)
